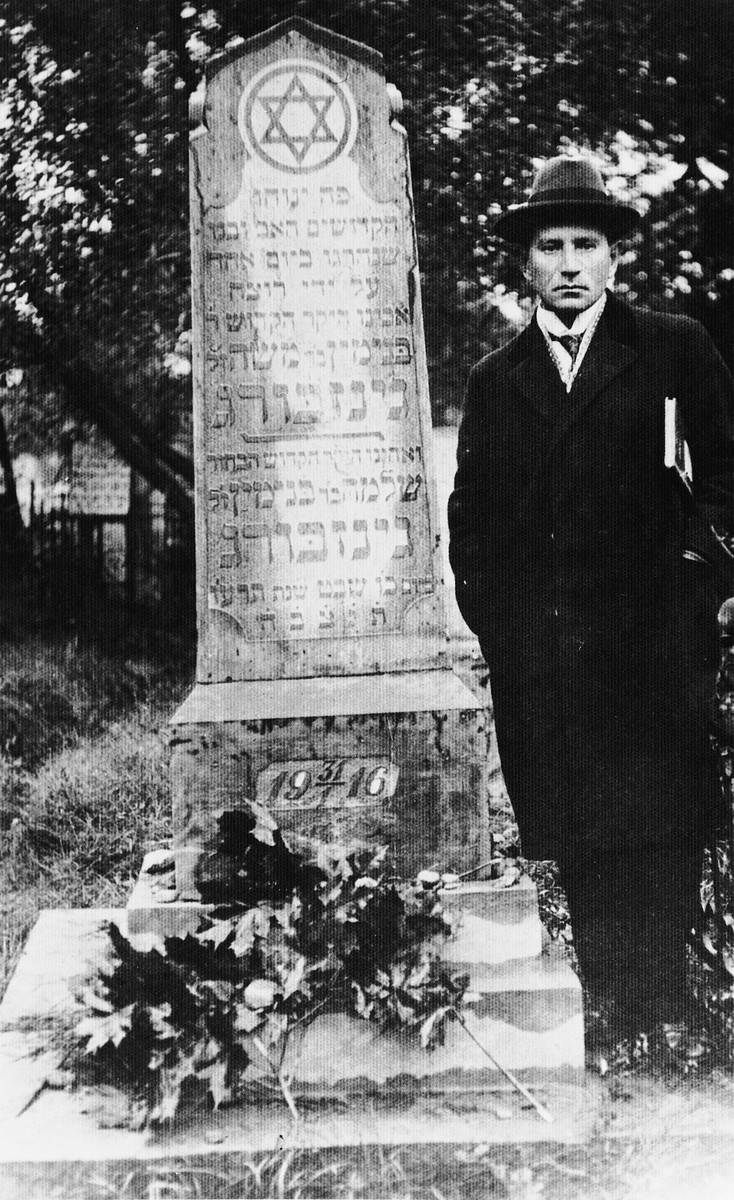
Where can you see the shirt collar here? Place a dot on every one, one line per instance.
(552, 324)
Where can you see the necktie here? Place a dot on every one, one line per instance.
(570, 342)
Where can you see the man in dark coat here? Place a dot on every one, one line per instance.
(592, 580)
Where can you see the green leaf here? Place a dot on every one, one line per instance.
(217, 932)
(406, 1013)
(265, 826)
(102, 1030)
(253, 924)
(727, 957)
(362, 1006)
(93, 1000)
(170, 1082)
(334, 860)
(274, 1029)
(293, 979)
(419, 975)
(428, 1029)
(397, 975)
(287, 915)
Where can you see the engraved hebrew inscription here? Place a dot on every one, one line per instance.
(317, 508)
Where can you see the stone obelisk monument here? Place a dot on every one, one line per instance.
(323, 688)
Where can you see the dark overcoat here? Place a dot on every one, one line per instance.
(567, 539)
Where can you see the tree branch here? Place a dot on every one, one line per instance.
(186, 68)
(89, 392)
(156, 462)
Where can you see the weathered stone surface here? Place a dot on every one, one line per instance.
(62, 946)
(100, 481)
(327, 696)
(495, 925)
(413, 781)
(170, 1163)
(65, 945)
(317, 538)
(529, 1016)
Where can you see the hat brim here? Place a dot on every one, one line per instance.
(520, 224)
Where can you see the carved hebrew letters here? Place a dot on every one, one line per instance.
(310, 406)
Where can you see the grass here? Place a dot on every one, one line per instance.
(83, 775)
(82, 825)
(639, 1169)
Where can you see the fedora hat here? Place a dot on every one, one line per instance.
(567, 191)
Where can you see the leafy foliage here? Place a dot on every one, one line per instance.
(292, 937)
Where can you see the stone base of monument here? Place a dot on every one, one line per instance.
(529, 1016)
(530, 1012)
(493, 923)
(356, 1087)
(396, 760)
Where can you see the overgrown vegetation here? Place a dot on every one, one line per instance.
(83, 776)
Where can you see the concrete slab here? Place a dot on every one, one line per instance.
(331, 696)
(493, 924)
(57, 1129)
(146, 914)
(64, 944)
(530, 1016)
(496, 924)
(446, 1105)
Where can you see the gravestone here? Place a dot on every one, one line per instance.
(100, 495)
(99, 482)
(324, 689)
(323, 685)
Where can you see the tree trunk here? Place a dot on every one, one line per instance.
(14, 543)
(90, 393)
(166, 469)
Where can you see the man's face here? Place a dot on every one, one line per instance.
(569, 266)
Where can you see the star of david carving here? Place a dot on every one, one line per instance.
(276, 133)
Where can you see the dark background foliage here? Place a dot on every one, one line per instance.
(94, 260)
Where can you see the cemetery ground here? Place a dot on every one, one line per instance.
(84, 792)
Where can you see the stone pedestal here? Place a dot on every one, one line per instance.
(529, 1015)
(46, 1125)
(414, 781)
